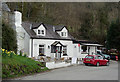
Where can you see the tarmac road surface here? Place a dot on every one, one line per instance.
(78, 72)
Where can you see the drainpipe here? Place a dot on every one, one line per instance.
(32, 48)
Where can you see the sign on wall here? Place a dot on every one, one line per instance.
(74, 60)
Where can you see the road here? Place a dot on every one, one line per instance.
(78, 72)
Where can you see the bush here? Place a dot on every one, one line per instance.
(9, 41)
(20, 53)
(25, 55)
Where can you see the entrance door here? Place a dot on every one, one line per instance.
(58, 52)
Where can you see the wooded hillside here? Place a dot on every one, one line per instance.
(83, 20)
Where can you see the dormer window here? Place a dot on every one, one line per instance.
(41, 32)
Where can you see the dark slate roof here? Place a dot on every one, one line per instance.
(5, 7)
(36, 25)
(50, 34)
(57, 27)
(85, 41)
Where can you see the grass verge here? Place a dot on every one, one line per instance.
(19, 66)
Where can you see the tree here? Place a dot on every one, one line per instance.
(9, 41)
(113, 36)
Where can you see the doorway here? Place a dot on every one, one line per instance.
(58, 52)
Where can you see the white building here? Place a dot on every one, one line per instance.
(85, 47)
(54, 41)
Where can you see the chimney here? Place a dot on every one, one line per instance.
(53, 29)
(18, 18)
(30, 26)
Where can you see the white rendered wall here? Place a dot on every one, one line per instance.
(92, 50)
(65, 30)
(35, 30)
(76, 50)
(18, 18)
(59, 33)
(27, 44)
(23, 38)
(48, 42)
(19, 31)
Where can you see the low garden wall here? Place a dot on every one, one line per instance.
(52, 65)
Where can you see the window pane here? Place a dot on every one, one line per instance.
(90, 57)
(64, 33)
(38, 31)
(84, 48)
(64, 49)
(61, 33)
(53, 49)
(96, 57)
(42, 31)
(41, 49)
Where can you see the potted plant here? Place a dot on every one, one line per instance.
(48, 58)
(40, 55)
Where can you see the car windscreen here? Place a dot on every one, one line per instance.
(90, 57)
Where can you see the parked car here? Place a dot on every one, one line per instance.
(95, 60)
(104, 55)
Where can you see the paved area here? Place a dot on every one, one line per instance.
(78, 72)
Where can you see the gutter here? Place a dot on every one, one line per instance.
(52, 39)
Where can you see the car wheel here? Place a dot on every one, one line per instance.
(86, 64)
(107, 64)
(97, 64)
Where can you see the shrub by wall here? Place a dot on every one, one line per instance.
(9, 41)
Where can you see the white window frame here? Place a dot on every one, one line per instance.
(64, 34)
(41, 32)
(43, 47)
(65, 49)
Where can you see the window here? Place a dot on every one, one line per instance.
(38, 31)
(74, 46)
(63, 34)
(96, 57)
(53, 49)
(90, 57)
(84, 48)
(41, 49)
(41, 32)
(100, 57)
(64, 50)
